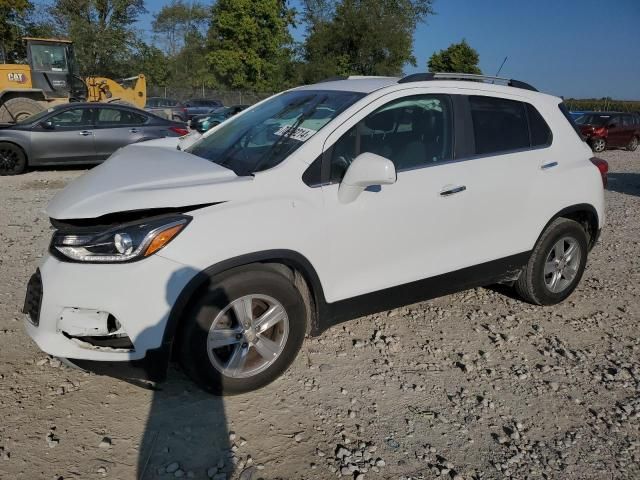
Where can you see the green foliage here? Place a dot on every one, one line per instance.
(249, 44)
(13, 15)
(361, 37)
(176, 20)
(102, 31)
(602, 104)
(458, 58)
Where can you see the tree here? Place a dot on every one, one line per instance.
(249, 43)
(102, 31)
(362, 37)
(181, 27)
(12, 13)
(177, 20)
(458, 58)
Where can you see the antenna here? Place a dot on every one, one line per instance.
(501, 65)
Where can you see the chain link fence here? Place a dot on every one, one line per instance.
(227, 97)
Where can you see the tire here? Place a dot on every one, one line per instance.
(214, 310)
(535, 284)
(598, 145)
(633, 144)
(20, 108)
(12, 159)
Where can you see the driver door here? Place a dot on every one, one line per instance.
(411, 230)
(65, 137)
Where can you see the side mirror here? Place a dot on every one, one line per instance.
(47, 125)
(367, 169)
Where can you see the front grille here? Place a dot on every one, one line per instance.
(33, 298)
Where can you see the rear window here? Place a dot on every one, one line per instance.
(499, 125)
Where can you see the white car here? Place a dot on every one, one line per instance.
(318, 205)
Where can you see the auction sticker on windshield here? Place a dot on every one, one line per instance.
(300, 133)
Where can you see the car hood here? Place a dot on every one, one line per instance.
(140, 178)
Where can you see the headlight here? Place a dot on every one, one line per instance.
(126, 243)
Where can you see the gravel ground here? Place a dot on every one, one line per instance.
(476, 385)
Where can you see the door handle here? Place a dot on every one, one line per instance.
(84, 133)
(452, 191)
(549, 165)
(133, 130)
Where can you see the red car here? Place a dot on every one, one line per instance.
(610, 129)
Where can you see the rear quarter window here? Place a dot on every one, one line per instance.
(565, 111)
(538, 129)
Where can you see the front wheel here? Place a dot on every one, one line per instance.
(556, 264)
(243, 331)
(12, 159)
(633, 144)
(598, 145)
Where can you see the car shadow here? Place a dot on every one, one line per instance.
(186, 428)
(624, 182)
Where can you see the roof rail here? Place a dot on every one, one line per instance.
(422, 77)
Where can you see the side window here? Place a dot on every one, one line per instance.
(116, 117)
(627, 121)
(312, 176)
(412, 132)
(538, 128)
(75, 117)
(499, 124)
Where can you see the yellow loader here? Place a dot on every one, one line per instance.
(49, 77)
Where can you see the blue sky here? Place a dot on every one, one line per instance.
(573, 48)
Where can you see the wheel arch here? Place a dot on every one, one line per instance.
(302, 274)
(583, 213)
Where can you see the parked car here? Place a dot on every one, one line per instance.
(199, 106)
(167, 108)
(202, 123)
(610, 129)
(318, 205)
(78, 133)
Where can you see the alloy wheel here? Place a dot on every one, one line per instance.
(599, 145)
(248, 336)
(8, 159)
(562, 264)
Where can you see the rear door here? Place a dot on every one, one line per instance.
(616, 132)
(67, 139)
(117, 127)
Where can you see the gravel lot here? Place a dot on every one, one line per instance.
(476, 385)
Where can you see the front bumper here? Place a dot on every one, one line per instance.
(138, 295)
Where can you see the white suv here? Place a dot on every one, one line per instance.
(320, 204)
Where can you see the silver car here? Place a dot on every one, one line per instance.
(78, 133)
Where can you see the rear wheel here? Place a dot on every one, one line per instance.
(556, 264)
(633, 144)
(598, 145)
(12, 159)
(243, 331)
(17, 109)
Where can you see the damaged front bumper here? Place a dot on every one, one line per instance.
(102, 312)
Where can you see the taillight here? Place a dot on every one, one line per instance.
(603, 166)
(600, 131)
(183, 131)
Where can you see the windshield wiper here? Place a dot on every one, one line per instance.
(289, 133)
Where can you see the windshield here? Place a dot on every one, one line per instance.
(36, 117)
(591, 119)
(268, 133)
(49, 58)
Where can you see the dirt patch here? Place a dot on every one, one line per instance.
(476, 385)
